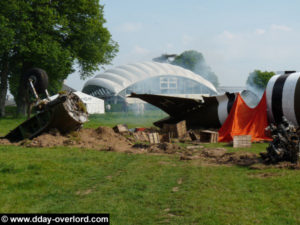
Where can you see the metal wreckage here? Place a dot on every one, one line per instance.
(285, 145)
(65, 113)
(282, 105)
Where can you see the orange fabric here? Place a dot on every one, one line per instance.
(243, 120)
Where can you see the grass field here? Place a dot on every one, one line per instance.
(108, 119)
(130, 118)
(143, 189)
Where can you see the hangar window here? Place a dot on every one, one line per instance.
(168, 83)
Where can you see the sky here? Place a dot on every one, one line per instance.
(234, 36)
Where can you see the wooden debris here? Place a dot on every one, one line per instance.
(209, 136)
(177, 130)
(121, 128)
(141, 136)
(192, 135)
(165, 138)
(153, 138)
(194, 147)
(185, 157)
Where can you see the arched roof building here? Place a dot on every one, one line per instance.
(147, 77)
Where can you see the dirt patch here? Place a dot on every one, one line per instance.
(46, 140)
(264, 175)
(5, 142)
(240, 158)
(175, 189)
(281, 165)
(221, 156)
(179, 181)
(86, 192)
(104, 138)
(165, 147)
(214, 153)
(288, 165)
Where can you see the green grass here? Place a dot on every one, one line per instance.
(108, 119)
(9, 123)
(138, 189)
(132, 120)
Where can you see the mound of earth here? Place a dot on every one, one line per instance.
(102, 138)
(5, 142)
(105, 138)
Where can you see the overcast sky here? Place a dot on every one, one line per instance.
(235, 36)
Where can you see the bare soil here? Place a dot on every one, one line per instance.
(104, 138)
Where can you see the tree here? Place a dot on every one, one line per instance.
(53, 35)
(194, 61)
(259, 79)
(6, 38)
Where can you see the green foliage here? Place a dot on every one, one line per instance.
(6, 35)
(53, 35)
(9, 123)
(259, 78)
(194, 61)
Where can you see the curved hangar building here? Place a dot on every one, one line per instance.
(147, 78)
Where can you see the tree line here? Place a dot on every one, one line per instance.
(53, 35)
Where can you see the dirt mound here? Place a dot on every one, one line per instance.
(4, 142)
(106, 131)
(240, 158)
(288, 165)
(221, 156)
(45, 140)
(102, 138)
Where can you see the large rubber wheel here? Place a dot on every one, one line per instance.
(39, 79)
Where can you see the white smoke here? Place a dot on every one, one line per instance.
(252, 86)
(258, 91)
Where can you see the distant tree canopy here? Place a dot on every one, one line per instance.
(53, 35)
(191, 60)
(259, 79)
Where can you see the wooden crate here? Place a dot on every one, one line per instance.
(209, 136)
(177, 130)
(153, 138)
(242, 141)
(140, 136)
(120, 128)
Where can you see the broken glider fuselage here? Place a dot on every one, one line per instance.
(282, 95)
(207, 112)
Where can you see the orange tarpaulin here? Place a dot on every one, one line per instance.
(244, 120)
